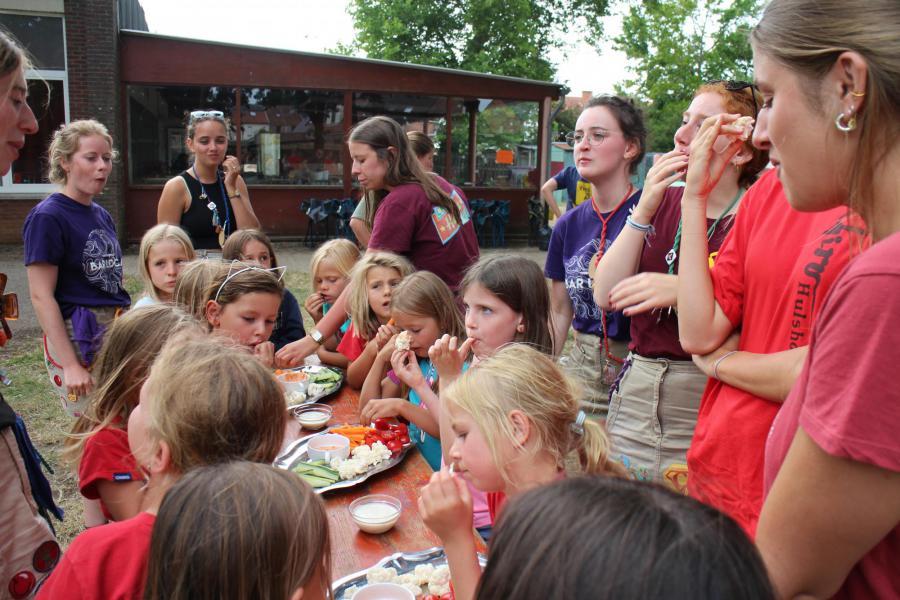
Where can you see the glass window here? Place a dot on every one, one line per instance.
(458, 148)
(157, 117)
(506, 142)
(42, 36)
(292, 137)
(47, 100)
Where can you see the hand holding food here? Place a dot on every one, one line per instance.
(406, 367)
(446, 505)
(313, 305)
(707, 165)
(385, 333)
(666, 170)
(265, 353)
(379, 408)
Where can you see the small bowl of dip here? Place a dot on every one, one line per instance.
(375, 513)
(328, 446)
(383, 591)
(313, 416)
(292, 381)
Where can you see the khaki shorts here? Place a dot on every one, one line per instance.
(587, 363)
(652, 415)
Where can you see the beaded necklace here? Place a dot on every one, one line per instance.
(221, 229)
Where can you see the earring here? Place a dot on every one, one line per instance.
(845, 126)
(520, 328)
(857, 94)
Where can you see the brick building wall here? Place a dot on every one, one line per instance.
(92, 54)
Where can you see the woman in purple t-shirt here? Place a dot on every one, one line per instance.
(609, 142)
(653, 407)
(74, 260)
(414, 213)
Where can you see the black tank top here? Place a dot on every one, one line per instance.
(197, 221)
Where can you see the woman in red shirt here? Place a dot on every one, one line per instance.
(830, 526)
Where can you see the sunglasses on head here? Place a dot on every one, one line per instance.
(199, 115)
(736, 85)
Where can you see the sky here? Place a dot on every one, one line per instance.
(316, 25)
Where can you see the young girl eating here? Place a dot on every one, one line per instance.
(242, 303)
(329, 270)
(253, 247)
(514, 419)
(263, 534)
(423, 307)
(203, 404)
(98, 443)
(165, 249)
(372, 284)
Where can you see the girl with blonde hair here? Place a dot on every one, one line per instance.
(242, 303)
(329, 270)
(192, 285)
(515, 418)
(422, 306)
(74, 260)
(252, 246)
(203, 404)
(164, 251)
(371, 288)
(98, 442)
(240, 531)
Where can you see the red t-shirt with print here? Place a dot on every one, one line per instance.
(770, 277)
(106, 457)
(104, 563)
(851, 408)
(407, 223)
(351, 345)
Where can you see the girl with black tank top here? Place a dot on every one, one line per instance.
(210, 199)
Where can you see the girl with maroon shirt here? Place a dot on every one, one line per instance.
(653, 406)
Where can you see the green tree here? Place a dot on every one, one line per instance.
(674, 46)
(501, 37)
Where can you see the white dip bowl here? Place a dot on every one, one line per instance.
(327, 446)
(375, 513)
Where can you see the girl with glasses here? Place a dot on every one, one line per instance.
(653, 407)
(609, 141)
(209, 200)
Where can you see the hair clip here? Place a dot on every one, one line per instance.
(277, 271)
(578, 425)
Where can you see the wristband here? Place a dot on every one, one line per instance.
(647, 230)
(719, 360)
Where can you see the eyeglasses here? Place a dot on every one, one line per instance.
(736, 85)
(594, 137)
(278, 272)
(199, 115)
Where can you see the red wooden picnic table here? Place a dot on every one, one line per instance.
(351, 549)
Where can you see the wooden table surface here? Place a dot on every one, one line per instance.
(351, 549)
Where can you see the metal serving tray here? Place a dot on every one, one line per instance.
(329, 390)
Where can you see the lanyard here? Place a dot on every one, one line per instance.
(672, 254)
(604, 222)
(212, 205)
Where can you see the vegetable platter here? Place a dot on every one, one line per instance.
(320, 382)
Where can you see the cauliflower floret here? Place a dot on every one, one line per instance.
(423, 573)
(350, 592)
(406, 578)
(440, 577)
(416, 590)
(439, 589)
(381, 575)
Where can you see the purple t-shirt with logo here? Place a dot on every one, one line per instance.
(573, 244)
(80, 240)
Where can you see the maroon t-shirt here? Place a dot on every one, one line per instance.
(655, 334)
(407, 223)
(847, 398)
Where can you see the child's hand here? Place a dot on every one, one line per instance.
(265, 353)
(446, 505)
(384, 354)
(406, 367)
(384, 333)
(447, 358)
(380, 408)
(313, 306)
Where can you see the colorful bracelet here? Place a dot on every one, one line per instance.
(647, 230)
